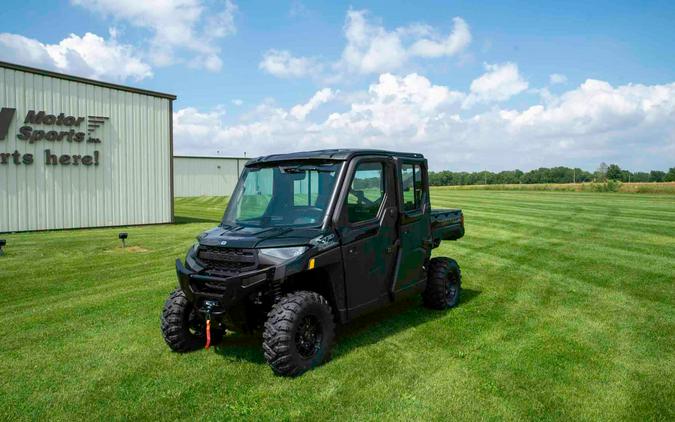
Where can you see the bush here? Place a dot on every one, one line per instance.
(608, 186)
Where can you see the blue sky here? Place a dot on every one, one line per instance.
(473, 85)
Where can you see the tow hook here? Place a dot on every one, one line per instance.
(208, 331)
(208, 305)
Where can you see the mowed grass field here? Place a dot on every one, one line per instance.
(635, 187)
(568, 312)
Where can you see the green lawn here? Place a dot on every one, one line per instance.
(568, 313)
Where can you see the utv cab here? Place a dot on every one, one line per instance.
(308, 240)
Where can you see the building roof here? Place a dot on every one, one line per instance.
(222, 157)
(330, 154)
(51, 74)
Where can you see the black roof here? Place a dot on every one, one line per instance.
(330, 154)
(217, 157)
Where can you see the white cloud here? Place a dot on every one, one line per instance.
(396, 106)
(458, 40)
(595, 107)
(89, 55)
(237, 102)
(185, 25)
(190, 121)
(221, 24)
(371, 48)
(499, 83)
(633, 125)
(282, 64)
(557, 78)
(301, 111)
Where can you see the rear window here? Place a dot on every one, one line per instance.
(306, 190)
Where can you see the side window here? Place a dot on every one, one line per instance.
(411, 185)
(366, 192)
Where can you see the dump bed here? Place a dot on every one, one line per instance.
(446, 224)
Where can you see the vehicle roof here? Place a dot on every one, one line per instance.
(330, 154)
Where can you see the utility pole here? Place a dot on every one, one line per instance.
(574, 175)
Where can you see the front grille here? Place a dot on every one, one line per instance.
(227, 261)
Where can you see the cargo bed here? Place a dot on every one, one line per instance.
(446, 224)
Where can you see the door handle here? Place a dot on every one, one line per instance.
(351, 250)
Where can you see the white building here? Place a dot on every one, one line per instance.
(208, 176)
(82, 153)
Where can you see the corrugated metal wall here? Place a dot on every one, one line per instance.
(209, 176)
(132, 183)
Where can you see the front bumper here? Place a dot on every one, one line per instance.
(225, 291)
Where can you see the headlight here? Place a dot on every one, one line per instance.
(190, 257)
(283, 253)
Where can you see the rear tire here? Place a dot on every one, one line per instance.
(183, 328)
(298, 333)
(444, 281)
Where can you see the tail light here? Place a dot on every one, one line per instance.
(461, 219)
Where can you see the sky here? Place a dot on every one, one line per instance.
(472, 85)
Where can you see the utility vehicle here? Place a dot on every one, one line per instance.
(310, 239)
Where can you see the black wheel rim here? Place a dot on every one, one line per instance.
(451, 290)
(308, 336)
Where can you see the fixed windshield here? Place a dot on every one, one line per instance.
(288, 194)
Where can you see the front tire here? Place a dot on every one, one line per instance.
(183, 328)
(444, 280)
(298, 333)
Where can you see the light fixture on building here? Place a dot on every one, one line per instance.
(123, 237)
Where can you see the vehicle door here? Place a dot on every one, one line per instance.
(415, 227)
(368, 232)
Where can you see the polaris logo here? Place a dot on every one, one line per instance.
(6, 115)
(223, 243)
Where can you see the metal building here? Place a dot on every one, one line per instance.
(208, 176)
(76, 152)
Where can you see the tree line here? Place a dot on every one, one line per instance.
(560, 174)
